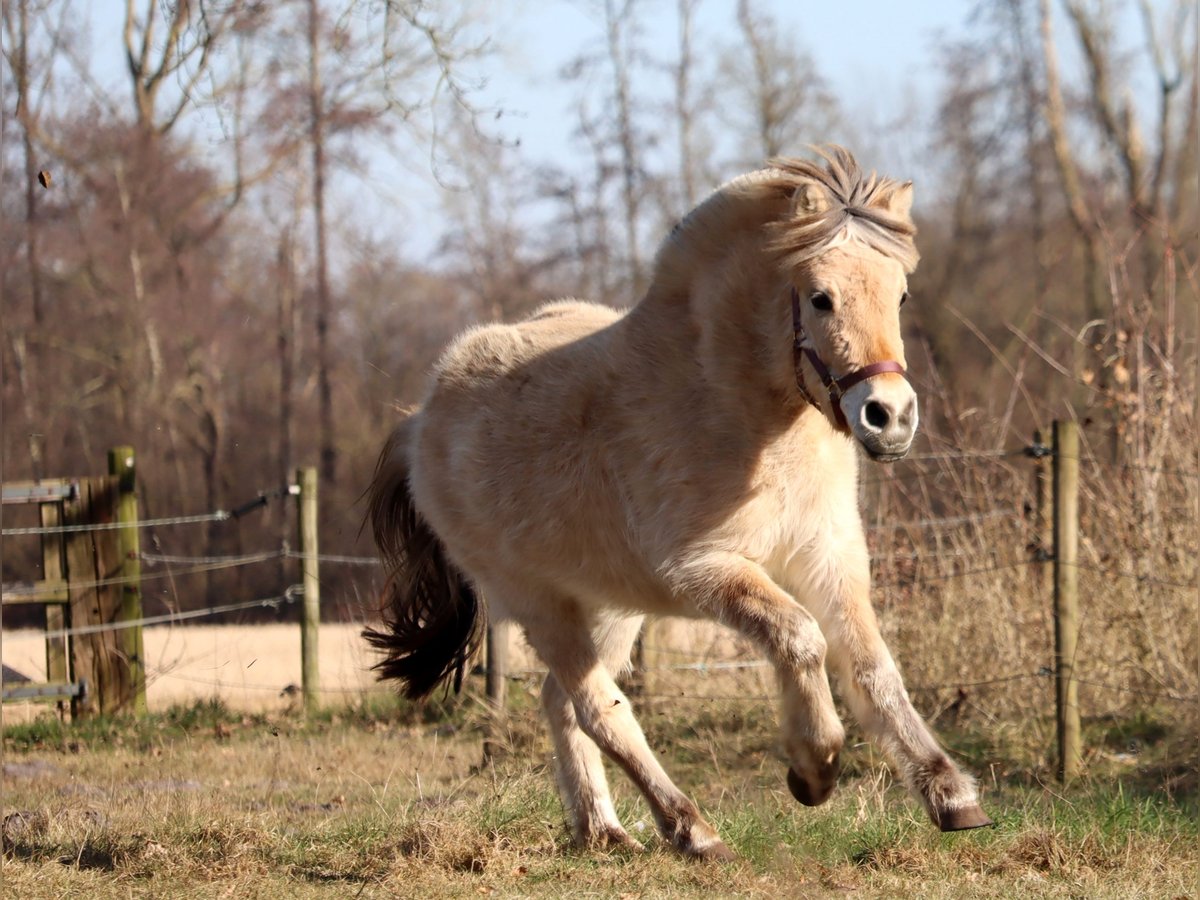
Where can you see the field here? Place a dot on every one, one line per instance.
(243, 796)
(246, 667)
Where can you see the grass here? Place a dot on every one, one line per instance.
(385, 800)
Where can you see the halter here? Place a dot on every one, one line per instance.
(836, 387)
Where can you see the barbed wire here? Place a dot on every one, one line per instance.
(196, 565)
(1162, 470)
(967, 455)
(232, 560)
(219, 515)
(211, 564)
(288, 596)
(917, 578)
(1137, 692)
(1149, 579)
(703, 666)
(947, 520)
(334, 558)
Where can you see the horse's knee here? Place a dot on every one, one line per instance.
(604, 718)
(805, 645)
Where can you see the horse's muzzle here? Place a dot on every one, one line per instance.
(883, 416)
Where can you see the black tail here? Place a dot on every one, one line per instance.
(432, 618)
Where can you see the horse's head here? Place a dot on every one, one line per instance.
(847, 247)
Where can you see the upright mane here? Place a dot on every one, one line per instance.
(830, 204)
(856, 206)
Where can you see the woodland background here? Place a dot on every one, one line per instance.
(189, 282)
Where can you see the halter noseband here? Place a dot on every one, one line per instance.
(836, 387)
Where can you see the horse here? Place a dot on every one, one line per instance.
(697, 456)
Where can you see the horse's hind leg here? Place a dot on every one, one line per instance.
(871, 685)
(569, 648)
(578, 764)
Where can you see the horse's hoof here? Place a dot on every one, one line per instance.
(963, 818)
(612, 837)
(715, 851)
(805, 794)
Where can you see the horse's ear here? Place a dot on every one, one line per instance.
(898, 200)
(810, 199)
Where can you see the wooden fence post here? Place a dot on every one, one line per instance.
(121, 463)
(496, 686)
(58, 664)
(1043, 521)
(93, 570)
(1066, 597)
(310, 619)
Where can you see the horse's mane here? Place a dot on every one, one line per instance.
(856, 203)
(853, 206)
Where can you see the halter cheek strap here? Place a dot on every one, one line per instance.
(835, 387)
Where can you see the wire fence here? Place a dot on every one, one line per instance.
(939, 545)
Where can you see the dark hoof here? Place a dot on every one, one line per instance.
(801, 791)
(963, 819)
(716, 852)
(612, 838)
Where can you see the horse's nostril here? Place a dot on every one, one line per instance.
(876, 415)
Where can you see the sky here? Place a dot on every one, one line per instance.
(874, 55)
(866, 49)
(870, 52)
(880, 59)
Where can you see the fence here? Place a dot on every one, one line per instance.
(1032, 551)
(89, 562)
(92, 582)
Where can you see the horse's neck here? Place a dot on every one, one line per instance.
(716, 313)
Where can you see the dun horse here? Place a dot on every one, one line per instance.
(695, 456)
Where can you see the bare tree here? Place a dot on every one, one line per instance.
(26, 355)
(373, 68)
(620, 30)
(788, 101)
(1082, 216)
(685, 102)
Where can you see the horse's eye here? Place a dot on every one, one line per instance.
(821, 302)
(904, 298)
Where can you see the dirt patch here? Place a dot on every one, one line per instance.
(256, 668)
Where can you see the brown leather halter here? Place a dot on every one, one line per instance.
(836, 387)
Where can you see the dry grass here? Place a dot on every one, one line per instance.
(201, 801)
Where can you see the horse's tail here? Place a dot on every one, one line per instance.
(432, 618)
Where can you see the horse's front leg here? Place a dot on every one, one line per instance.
(871, 685)
(738, 593)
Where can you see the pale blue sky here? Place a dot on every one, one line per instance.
(875, 55)
(880, 59)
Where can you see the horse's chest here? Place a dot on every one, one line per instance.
(802, 508)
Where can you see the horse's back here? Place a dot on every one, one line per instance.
(506, 462)
(483, 354)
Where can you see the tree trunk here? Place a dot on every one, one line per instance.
(31, 367)
(286, 345)
(683, 105)
(317, 138)
(618, 24)
(1081, 216)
